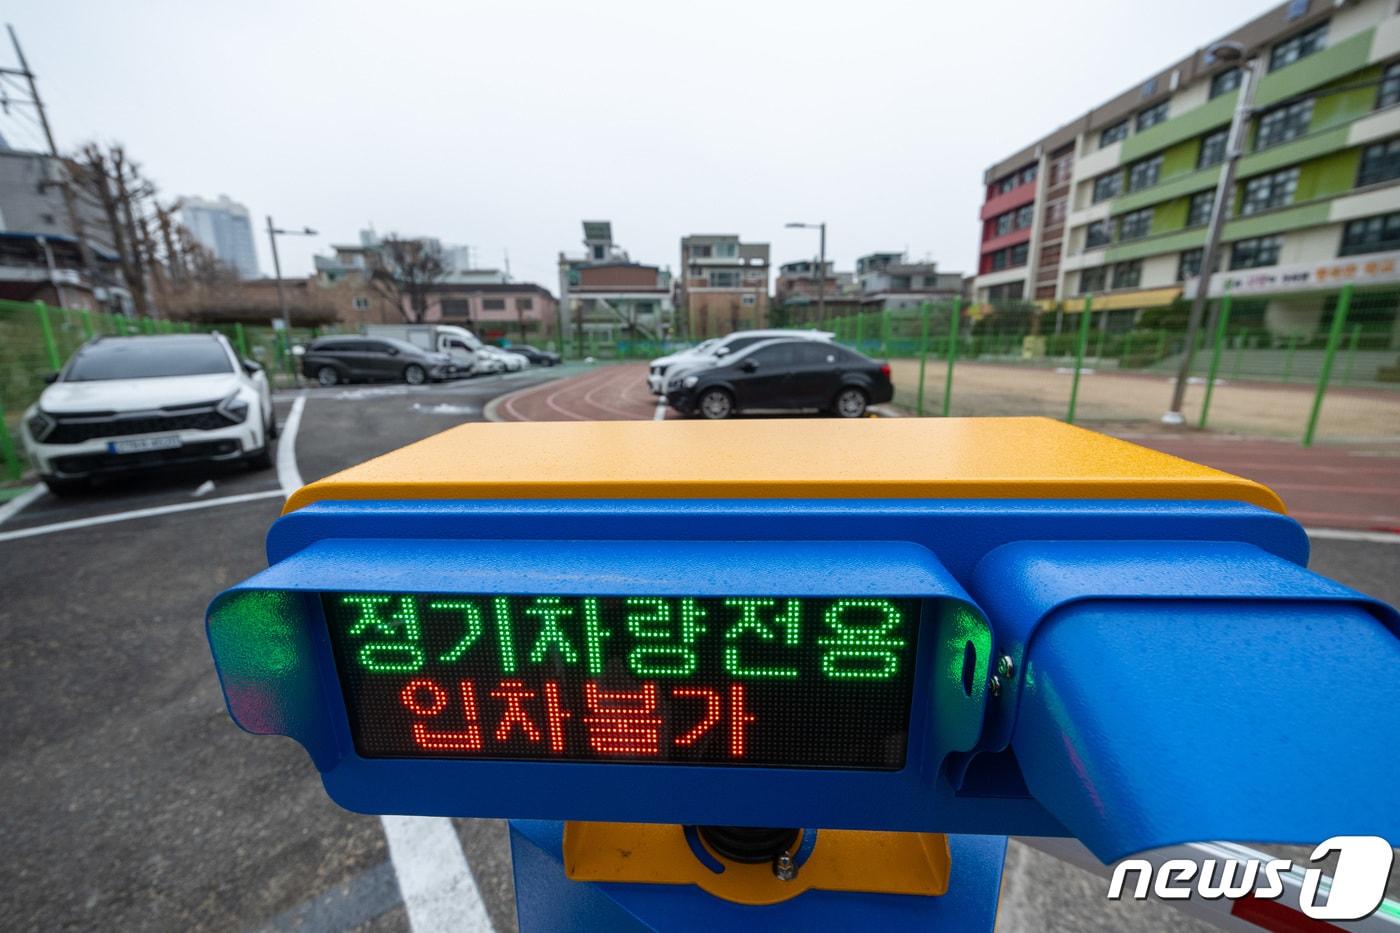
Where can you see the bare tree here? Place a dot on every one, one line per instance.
(410, 267)
(124, 195)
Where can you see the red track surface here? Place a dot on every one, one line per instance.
(609, 393)
(1324, 487)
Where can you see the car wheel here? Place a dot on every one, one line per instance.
(65, 487)
(414, 375)
(327, 376)
(850, 403)
(716, 405)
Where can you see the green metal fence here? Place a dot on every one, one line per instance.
(1310, 367)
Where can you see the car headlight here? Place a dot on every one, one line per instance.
(689, 381)
(234, 409)
(40, 425)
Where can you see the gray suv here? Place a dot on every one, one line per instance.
(331, 360)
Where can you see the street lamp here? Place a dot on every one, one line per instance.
(1244, 109)
(821, 266)
(273, 232)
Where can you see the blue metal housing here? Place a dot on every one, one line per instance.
(1105, 607)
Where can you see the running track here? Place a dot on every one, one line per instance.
(1328, 486)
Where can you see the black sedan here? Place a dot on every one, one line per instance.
(536, 356)
(330, 360)
(782, 374)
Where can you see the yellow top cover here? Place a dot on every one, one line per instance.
(872, 458)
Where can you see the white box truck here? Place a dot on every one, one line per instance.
(458, 342)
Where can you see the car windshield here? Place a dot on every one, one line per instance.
(147, 359)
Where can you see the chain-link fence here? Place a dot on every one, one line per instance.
(1321, 366)
(36, 340)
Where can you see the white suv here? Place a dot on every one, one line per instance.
(131, 403)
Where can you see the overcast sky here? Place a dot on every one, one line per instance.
(503, 125)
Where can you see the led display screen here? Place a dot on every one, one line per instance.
(761, 681)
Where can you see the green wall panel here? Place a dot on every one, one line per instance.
(1341, 59)
(1170, 216)
(1181, 158)
(1328, 176)
(1194, 122)
(1180, 186)
(1153, 246)
(1305, 215)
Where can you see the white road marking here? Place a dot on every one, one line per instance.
(203, 489)
(136, 513)
(1346, 534)
(18, 503)
(437, 886)
(660, 414)
(288, 476)
(438, 890)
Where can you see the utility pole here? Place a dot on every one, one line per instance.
(272, 233)
(1244, 109)
(69, 202)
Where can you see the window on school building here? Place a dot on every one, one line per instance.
(1265, 192)
(1305, 43)
(1379, 162)
(1091, 280)
(1010, 291)
(1127, 274)
(1107, 186)
(1285, 122)
(1135, 225)
(1144, 173)
(524, 304)
(1111, 134)
(493, 304)
(1188, 266)
(1256, 252)
(1213, 148)
(1146, 119)
(1198, 212)
(1224, 82)
(1371, 235)
(1098, 233)
(1389, 92)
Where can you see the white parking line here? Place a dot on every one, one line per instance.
(17, 504)
(660, 414)
(136, 513)
(438, 890)
(1346, 534)
(288, 476)
(437, 887)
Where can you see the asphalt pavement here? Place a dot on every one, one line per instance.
(131, 800)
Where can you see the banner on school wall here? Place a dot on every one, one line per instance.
(1323, 275)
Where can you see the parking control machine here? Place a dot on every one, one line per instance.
(772, 672)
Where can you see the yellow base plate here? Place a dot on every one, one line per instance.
(842, 860)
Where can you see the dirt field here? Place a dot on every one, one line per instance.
(1255, 409)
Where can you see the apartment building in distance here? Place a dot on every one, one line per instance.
(225, 228)
(889, 280)
(723, 285)
(1117, 202)
(605, 297)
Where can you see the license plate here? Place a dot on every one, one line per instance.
(143, 444)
